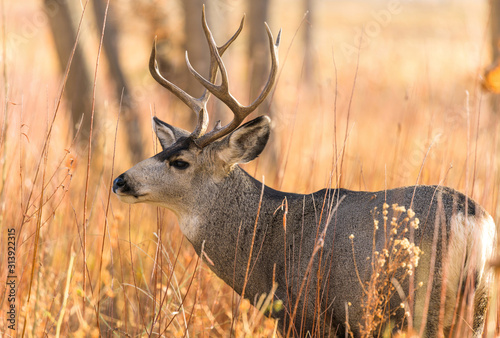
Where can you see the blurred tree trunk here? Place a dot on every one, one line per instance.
(122, 92)
(259, 66)
(495, 46)
(217, 21)
(79, 84)
(258, 46)
(195, 44)
(78, 92)
(495, 28)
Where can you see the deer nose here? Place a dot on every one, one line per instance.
(118, 183)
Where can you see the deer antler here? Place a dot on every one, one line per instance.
(198, 105)
(222, 91)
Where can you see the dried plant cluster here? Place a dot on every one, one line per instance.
(391, 266)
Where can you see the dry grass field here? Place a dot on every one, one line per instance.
(405, 108)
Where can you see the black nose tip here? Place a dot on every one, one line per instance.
(118, 183)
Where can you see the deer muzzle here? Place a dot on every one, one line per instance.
(123, 190)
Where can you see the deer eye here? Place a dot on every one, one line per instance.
(179, 164)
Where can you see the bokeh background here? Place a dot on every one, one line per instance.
(370, 95)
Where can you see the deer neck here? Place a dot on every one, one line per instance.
(234, 199)
(221, 230)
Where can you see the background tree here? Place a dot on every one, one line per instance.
(258, 65)
(79, 83)
(120, 85)
(194, 44)
(492, 76)
(495, 28)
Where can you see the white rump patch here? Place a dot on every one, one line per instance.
(474, 237)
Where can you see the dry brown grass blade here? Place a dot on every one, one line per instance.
(106, 213)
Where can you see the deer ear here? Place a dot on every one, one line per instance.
(167, 134)
(245, 143)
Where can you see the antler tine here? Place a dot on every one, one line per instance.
(274, 69)
(220, 50)
(197, 105)
(222, 91)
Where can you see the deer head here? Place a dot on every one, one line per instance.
(191, 165)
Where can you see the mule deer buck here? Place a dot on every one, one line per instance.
(321, 251)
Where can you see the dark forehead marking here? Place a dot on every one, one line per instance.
(181, 144)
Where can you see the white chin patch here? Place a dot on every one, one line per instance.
(129, 199)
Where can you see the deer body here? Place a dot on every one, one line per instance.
(221, 222)
(233, 224)
(318, 248)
